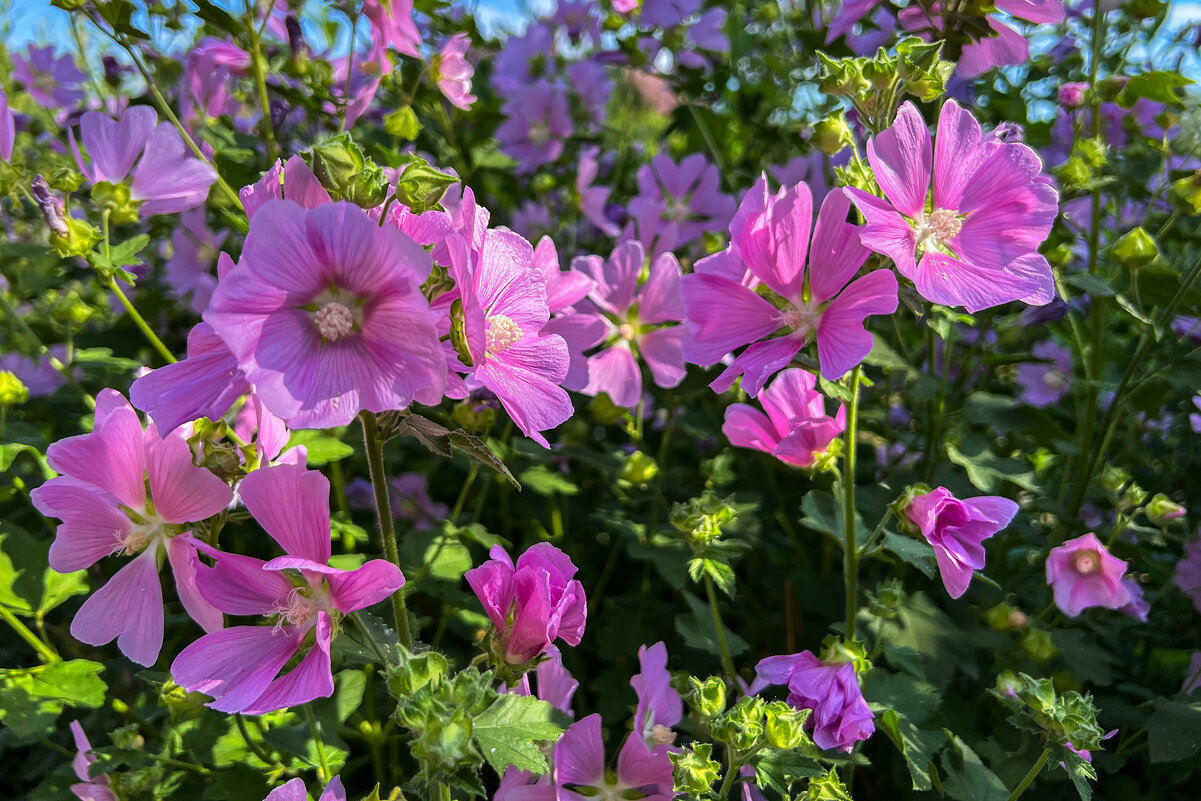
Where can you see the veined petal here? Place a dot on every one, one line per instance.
(184, 567)
(93, 525)
(238, 585)
(615, 371)
(900, 157)
(842, 340)
(659, 301)
(954, 282)
(182, 492)
(662, 350)
(235, 665)
(580, 754)
(129, 608)
(112, 457)
(722, 315)
(357, 589)
(886, 231)
(758, 363)
(836, 254)
(312, 678)
(747, 427)
(114, 145)
(292, 505)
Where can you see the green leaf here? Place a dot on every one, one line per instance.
(509, 731)
(546, 482)
(918, 747)
(912, 552)
(32, 698)
(1174, 731)
(219, 18)
(28, 585)
(441, 440)
(696, 627)
(969, 779)
(120, 256)
(322, 447)
(986, 469)
(1160, 86)
(777, 770)
(1093, 284)
(721, 573)
(1079, 771)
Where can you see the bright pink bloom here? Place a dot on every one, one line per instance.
(580, 763)
(504, 311)
(976, 243)
(530, 604)
(239, 666)
(840, 716)
(325, 316)
(102, 500)
(453, 71)
(1084, 574)
(392, 25)
(1188, 572)
(957, 530)
(630, 319)
(89, 789)
(210, 75)
(770, 244)
(295, 790)
(165, 180)
(796, 429)
(659, 704)
(1043, 383)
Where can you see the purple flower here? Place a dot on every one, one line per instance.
(210, 69)
(957, 529)
(294, 790)
(1188, 573)
(1138, 608)
(976, 244)
(410, 496)
(504, 311)
(685, 195)
(164, 181)
(770, 244)
(325, 316)
(36, 372)
(630, 319)
(8, 128)
(795, 429)
(1084, 574)
(1045, 383)
(659, 705)
(556, 686)
(90, 789)
(592, 85)
(453, 71)
(52, 82)
(593, 199)
(840, 716)
(538, 123)
(530, 604)
(239, 666)
(102, 499)
(1071, 95)
(194, 249)
(580, 763)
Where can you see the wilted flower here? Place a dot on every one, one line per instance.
(530, 604)
(840, 715)
(1084, 574)
(795, 429)
(957, 529)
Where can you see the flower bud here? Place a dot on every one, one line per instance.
(346, 172)
(415, 671)
(784, 726)
(1162, 510)
(1071, 95)
(1038, 645)
(639, 469)
(421, 187)
(827, 788)
(52, 208)
(695, 771)
(1136, 249)
(1186, 192)
(12, 391)
(707, 697)
(832, 134)
(742, 726)
(116, 200)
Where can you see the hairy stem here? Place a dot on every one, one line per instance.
(727, 662)
(1034, 771)
(383, 509)
(322, 765)
(850, 551)
(45, 652)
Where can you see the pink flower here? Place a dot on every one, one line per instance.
(294, 790)
(1045, 383)
(840, 715)
(630, 318)
(659, 704)
(8, 128)
(194, 249)
(164, 181)
(580, 763)
(102, 500)
(686, 196)
(532, 604)
(957, 529)
(1071, 95)
(89, 789)
(1188, 573)
(795, 429)
(770, 244)
(504, 311)
(239, 666)
(1083, 574)
(453, 72)
(976, 243)
(392, 25)
(556, 686)
(593, 198)
(325, 316)
(538, 124)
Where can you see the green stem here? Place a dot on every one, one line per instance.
(1034, 771)
(940, 405)
(141, 323)
(260, 78)
(850, 552)
(254, 747)
(443, 792)
(728, 781)
(45, 652)
(727, 661)
(878, 531)
(383, 509)
(322, 765)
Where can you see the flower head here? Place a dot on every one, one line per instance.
(795, 429)
(454, 71)
(580, 764)
(537, 125)
(957, 529)
(975, 243)
(90, 789)
(1084, 574)
(1188, 572)
(686, 196)
(659, 704)
(294, 790)
(1044, 383)
(54, 82)
(840, 715)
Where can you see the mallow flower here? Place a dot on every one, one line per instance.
(974, 240)
(686, 195)
(90, 788)
(102, 499)
(165, 179)
(452, 71)
(1188, 573)
(538, 123)
(54, 82)
(813, 296)
(957, 529)
(300, 593)
(840, 715)
(580, 774)
(1083, 574)
(325, 316)
(659, 704)
(294, 790)
(531, 604)
(795, 429)
(1044, 383)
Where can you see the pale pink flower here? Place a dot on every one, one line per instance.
(1084, 574)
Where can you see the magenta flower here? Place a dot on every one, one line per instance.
(209, 77)
(770, 244)
(392, 25)
(976, 243)
(504, 311)
(530, 604)
(294, 790)
(1044, 383)
(1138, 607)
(293, 181)
(840, 716)
(795, 429)
(165, 179)
(538, 123)
(102, 500)
(1071, 95)
(593, 199)
(580, 774)
(686, 195)
(631, 319)
(555, 685)
(325, 316)
(239, 666)
(8, 128)
(1188, 573)
(53, 82)
(452, 71)
(1083, 574)
(957, 530)
(659, 704)
(89, 789)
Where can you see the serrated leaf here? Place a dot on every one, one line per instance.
(721, 573)
(696, 627)
(969, 779)
(27, 583)
(1079, 771)
(508, 733)
(777, 770)
(441, 440)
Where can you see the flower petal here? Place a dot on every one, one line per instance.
(129, 608)
(292, 505)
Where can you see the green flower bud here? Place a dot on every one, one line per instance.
(403, 123)
(116, 200)
(1093, 152)
(80, 239)
(345, 171)
(881, 71)
(827, 788)
(695, 772)
(1186, 193)
(1038, 644)
(841, 77)
(707, 697)
(1162, 510)
(784, 726)
(12, 391)
(915, 57)
(421, 187)
(832, 134)
(639, 469)
(415, 671)
(1073, 173)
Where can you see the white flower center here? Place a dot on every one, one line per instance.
(626, 331)
(501, 333)
(1086, 562)
(938, 227)
(802, 318)
(661, 735)
(334, 321)
(297, 610)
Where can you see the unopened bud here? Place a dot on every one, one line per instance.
(1162, 510)
(832, 134)
(1136, 249)
(695, 771)
(12, 391)
(707, 697)
(52, 208)
(783, 725)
